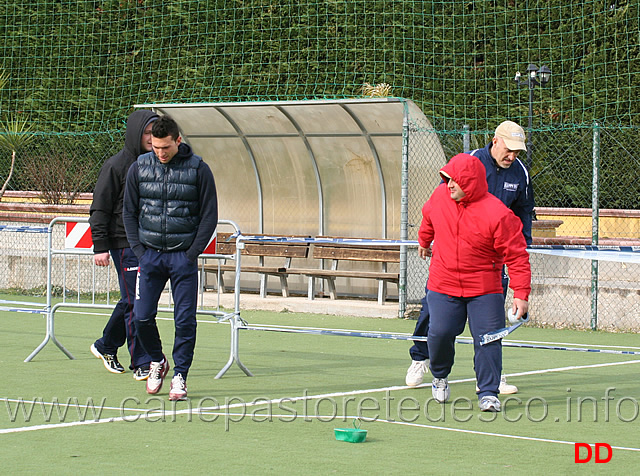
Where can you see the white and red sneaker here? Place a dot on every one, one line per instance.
(157, 372)
(178, 388)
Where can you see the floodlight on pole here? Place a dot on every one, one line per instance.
(535, 77)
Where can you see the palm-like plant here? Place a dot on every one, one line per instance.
(14, 134)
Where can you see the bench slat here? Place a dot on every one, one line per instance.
(263, 248)
(249, 269)
(383, 255)
(330, 273)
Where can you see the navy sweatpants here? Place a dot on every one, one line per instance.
(448, 316)
(121, 326)
(419, 350)
(156, 267)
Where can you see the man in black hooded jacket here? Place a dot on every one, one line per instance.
(109, 238)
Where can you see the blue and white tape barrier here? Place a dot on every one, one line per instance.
(24, 229)
(621, 254)
(459, 340)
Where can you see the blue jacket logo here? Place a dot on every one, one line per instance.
(512, 187)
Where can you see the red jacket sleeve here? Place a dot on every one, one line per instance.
(510, 242)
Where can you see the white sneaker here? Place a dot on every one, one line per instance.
(416, 372)
(440, 389)
(178, 388)
(489, 403)
(157, 372)
(505, 388)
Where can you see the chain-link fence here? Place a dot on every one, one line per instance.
(567, 292)
(572, 171)
(24, 255)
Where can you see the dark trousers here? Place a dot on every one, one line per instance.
(419, 350)
(448, 316)
(120, 326)
(156, 267)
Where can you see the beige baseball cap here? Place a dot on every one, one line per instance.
(512, 134)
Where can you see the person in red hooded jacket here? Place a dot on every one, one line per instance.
(470, 234)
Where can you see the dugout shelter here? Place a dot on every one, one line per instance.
(359, 168)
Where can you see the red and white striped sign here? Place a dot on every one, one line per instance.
(211, 247)
(78, 235)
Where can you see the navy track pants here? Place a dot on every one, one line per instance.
(156, 268)
(448, 316)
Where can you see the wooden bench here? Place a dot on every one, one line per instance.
(337, 252)
(261, 249)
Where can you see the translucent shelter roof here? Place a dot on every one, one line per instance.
(318, 167)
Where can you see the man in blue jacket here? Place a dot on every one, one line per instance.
(509, 180)
(170, 213)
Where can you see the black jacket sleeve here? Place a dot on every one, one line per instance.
(102, 208)
(208, 212)
(131, 210)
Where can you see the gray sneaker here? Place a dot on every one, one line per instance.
(416, 372)
(440, 389)
(489, 403)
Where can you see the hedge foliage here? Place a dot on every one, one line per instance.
(79, 67)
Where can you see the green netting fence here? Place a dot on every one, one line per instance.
(77, 68)
(81, 65)
(73, 70)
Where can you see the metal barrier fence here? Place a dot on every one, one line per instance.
(567, 291)
(88, 278)
(233, 318)
(585, 178)
(626, 254)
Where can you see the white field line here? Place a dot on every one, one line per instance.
(330, 395)
(244, 405)
(501, 435)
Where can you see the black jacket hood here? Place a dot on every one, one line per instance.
(136, 124)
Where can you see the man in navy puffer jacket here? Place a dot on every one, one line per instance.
(170, 213)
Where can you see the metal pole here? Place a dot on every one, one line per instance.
(529, 137)
(595, 218)
(466, 138)
(404, 215)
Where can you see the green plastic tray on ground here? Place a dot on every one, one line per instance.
(351, 435)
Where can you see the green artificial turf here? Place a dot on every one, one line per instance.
(64, 416)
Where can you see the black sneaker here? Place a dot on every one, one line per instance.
(141, 374)
(110, 361)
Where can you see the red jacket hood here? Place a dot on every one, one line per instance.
(468, 172)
